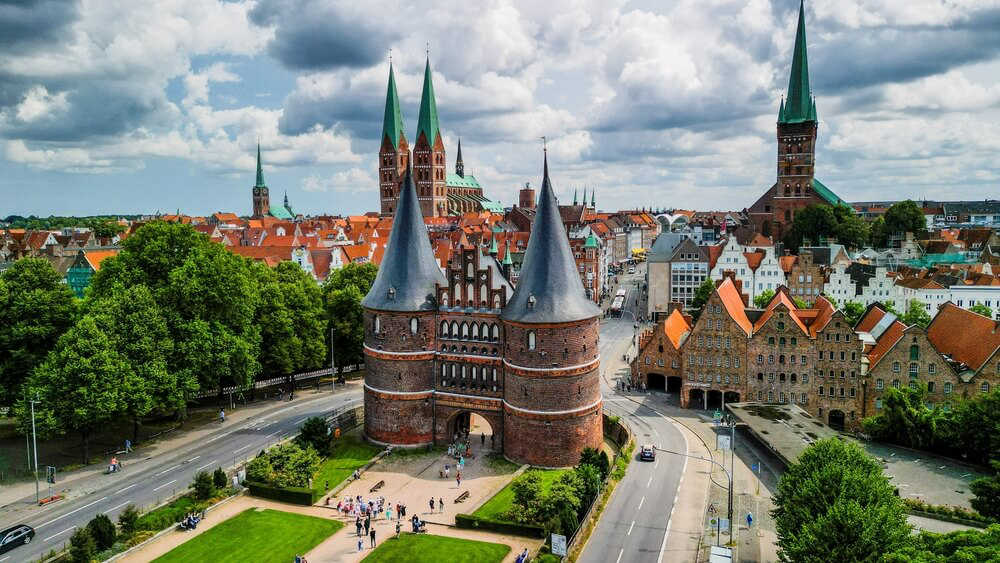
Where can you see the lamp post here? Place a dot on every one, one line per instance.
(34, 443)
(729, 476)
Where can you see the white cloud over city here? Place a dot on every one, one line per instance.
(159, 105)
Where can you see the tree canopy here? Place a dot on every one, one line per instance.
(342, 294)
(763, 298)
(701, 296)
(817, 222)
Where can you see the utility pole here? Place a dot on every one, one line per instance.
(333, 365)
(34, 441)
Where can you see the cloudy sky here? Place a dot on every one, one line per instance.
(150, 106)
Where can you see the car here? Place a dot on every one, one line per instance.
(631, 270)
(647, 453)
(15, 536)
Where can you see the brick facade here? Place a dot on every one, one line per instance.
(912, 361)
(806, 278)
(714, 356)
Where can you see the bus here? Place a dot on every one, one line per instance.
(639, 255)
(618, 303)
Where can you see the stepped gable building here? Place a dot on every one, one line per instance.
(798, 126)
(439, 192)
(438, 349)
(262, 199)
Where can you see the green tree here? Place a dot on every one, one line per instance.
(597, 458)
(288, 465)
(291, 318)
(220, 479)
(971, 546)
(906, 420)
(79, 386)
(817, 222)
(104, 228)
(835, 496)
(128, 520)
(904, 217)
(976, 427)
(342, 294)
(879, 237)
(763, 298)
(315, 432)
(987, 493)
(82, 547)
(148, 257)
(36, 307)
(853, 311)
(916, 314)
(527, 489)
(589, 479)
(102, 529)
(851, 231)
(559, 507)
(204, 485)
(983, 310)
(701, 296)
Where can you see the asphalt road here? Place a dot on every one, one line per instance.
(636, 521)
(147, 482)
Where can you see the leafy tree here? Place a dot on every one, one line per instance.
(292, 319)
(906, 420)
(204, 485)
(148, 257)
(35, 309)
(835, 496)
(589, 480)
(527, 489)
(79, 385)
(976, 428)
(102, 529)
(853, 311)
(852, 231)
(916, 314)
(559, 507)
(879, 236)
(972, 546)
(104, 228)
(288, 465)
(701, 296)
(983, 310)
(987, 493)
(817, 221)
(763, 298)
(220, 479)
(315, 432)
(82, 547)
(799, 303)
(597, 458)
(904, 217)
(128, 520)
(342, 294)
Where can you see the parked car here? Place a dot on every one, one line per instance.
(15, 536)
(647, 453)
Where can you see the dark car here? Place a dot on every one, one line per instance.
(647, 453)
(15, 536)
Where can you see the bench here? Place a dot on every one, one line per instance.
(462, 497)
(376, 487)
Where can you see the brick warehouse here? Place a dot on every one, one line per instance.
(439, 348)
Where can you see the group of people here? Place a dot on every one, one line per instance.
(190, 521)
(626, 385)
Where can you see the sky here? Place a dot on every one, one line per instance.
(145, 107)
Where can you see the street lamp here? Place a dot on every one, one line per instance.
(729, 476)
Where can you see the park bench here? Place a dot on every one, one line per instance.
(376, 487)
(462, 497)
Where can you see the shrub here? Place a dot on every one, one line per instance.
(204, 486)
(288, 465)
(128, 520)
(168, 515)
(316, 433)
(987, 493)
(292, 495)
(81, 546)
(599, 459)
(220, 479)
(102, 529)
(470, 522)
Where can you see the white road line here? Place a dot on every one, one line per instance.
(273, 433)
(649, 482)
(60, 533)
(301, 421)
(657, 433)
(4, 559)
(620, 555)
(670, 519)
(206, 465)
(164, 485)
(71, 512)
(640, 503)
(630, 528)
(110, 510)
(657, 464)
(128, 487)
(241, 449)
(166, 471)
(192, 459)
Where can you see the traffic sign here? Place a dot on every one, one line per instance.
(50, 475)
(723, 442)
(559, 545)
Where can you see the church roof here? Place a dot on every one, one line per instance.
(453, 180)
(392, 124)
(799, 106)
(827, 194)
(280, 212)
(260, 171)
(408, 271)
(427, 122)
(549, 289)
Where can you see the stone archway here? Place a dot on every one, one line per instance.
(696, 399)
(731, 397)
(674, 383)
(714, 399)
(836, 420)
(656, 382)
(482, 425)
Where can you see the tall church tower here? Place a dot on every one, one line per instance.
(797, 130)
(393, 156)
(261, 197)
(429, 167)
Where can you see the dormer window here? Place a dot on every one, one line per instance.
(391, 294)
(531, 304)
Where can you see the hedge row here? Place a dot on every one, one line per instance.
(470, 522)
(292, 495)
(955, 514)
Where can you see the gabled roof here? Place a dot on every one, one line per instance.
(965, 336)
(781, 297)
(787, 262)
(408, 273)
(549, 289)
(889, 337)
(754, 259)
(733, 303)
(676, 328)
(96, 257)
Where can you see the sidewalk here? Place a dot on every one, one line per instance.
(20, 498)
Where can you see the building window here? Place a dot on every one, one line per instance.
(770, 396)
(930, 386)
(947, 388)
(760, 395)
(985, 387)
(895, 367)
(770, 358)
(913, 385)
(760, 358)
(914, 353)
(802, 360)
(852, 392)
(736, 362)
(895, 384)
(820, 390)
(879, 384)
(931, 368)
(770, 377)
(444, 328)
(770, 341)
(878, 404)
(531, 340)
(378, 324)
(414, 325)
(913, 369)
(647, 360)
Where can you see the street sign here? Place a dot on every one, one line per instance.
(717, 416)
(723, 524)
(559, 545)
(755, 467)
(723, 442)
(711, 508)
(50, 475)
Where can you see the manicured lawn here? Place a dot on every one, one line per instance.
(414, 548)
(349, 454)
(255, 535)
(494, 508)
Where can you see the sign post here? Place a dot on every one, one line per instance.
(50, 477)
(559, 545)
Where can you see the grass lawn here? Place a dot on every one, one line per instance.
(348, 454)
(255, 535)
(494, 508)
(414, 548)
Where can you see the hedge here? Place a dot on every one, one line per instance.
(470, 522)
(955, 514)
(291, 495)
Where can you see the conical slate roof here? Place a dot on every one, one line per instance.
(408, 274)
(549, 289)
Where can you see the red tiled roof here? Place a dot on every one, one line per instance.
(965, 336)
(780, 298)
(675, 327)
(95, 257)
(263, 253)
(870, 319)
(356, 251)
(733, 303)
(754, 259)
(885, 343)
(787, 262)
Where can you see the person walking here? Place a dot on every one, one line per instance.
(432, 505)
(441, 503)
(388, 513)
(361, 544)
(368, 524)
(458, 479)
(399, 527)
(482, 439)
(222, 415)
(326, 486)
(357, 524)
(372, 536)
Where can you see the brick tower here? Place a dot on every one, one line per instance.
(394, 153)
(526, 198)
(552, 395)
(261, 197)
(399, 326)
(429, 167)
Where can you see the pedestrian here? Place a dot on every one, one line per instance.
(128, 445)
(372, 536)
(222, 416)
(399, 526)
(388, 513)
(492, 441)
(298, 558)
(357, 524)
(368, 523)
(326, 486)
(482, 439)
(404, 510)
(432, 505)
(441, 503)
(361, 544)
(447, 471)
(459, 479)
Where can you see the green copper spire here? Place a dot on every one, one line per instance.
(260, 171)
(392, 124)
(427, 122)
(592, 193)
(506, 256)
(781, 111)
(493, 247)
(798, 106)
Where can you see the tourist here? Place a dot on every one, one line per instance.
(399, 527)
(222, 416)
(388, 513)
(357, 524)
(368, 523)
(482, 439)
(447, 471)
(361, 544)
(432, 507)
(441, 504)
(459, 479)
(372, 536)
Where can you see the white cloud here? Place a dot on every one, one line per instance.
(353, 181)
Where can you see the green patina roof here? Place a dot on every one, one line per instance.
(506, 257)
(456, 181)
(427, 122)
(798, 104)
(392, 124)
(260, 171)
(492, 206)
(591, 242)
(827, 194)
(280, 212)
(781, 111)
(493, 246)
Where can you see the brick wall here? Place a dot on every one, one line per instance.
(551, 442)
(900, 357)
(705, 366)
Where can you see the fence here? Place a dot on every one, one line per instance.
(270, 382)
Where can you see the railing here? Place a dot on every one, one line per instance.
(262, 383)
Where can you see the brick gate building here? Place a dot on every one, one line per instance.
(438, 348)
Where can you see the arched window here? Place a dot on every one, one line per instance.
(465, 330)
(914, 352)
(475, 331)
(458, 294)
(444, 328)
(444, 299)
(531, 340)
(470, 270)
(496, 301)
(496, 333)
(470, 295)
(378, 324)
(454, 329)
(414, 325)
(484, 331)
(484, 297)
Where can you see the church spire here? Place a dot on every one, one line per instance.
(260, 171)
(427, 121)
(593, 192)
(392, 123)
(459, 165)
(798, 103)
(574, 190)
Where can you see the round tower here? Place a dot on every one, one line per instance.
(552, 393)
(399, 315)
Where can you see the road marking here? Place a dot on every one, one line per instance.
(60, 533)
(649, 482)
(192, 459)
(4, 559)
(68, 513)
(127, 488)
(303, 420)
(657, 433)
(640, 503)
(273, 433)
(166, 470)
(206, 465)
(164, 485)
(630, 528)
(241, 449)
(620, 555)
(657, 464)
(670, 519)
(110, 510)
